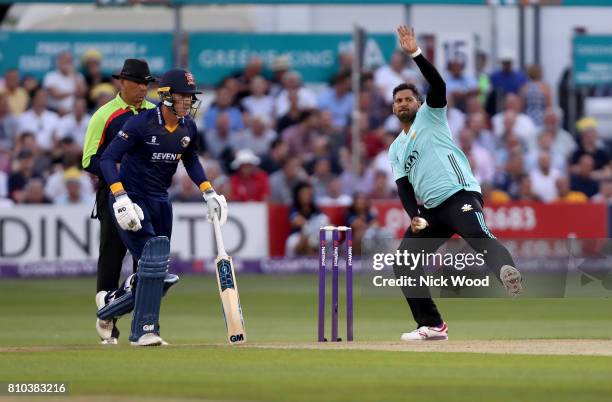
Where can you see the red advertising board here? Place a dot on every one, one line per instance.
(512, 220)
(521, 220)
(278, 224)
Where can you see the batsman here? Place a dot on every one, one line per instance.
(427, 165)
(149, 148)
(104, 125)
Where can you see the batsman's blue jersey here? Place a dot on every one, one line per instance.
(149, 152)
(435, 166)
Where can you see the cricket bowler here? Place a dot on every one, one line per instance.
(149, 147)
(429, 166)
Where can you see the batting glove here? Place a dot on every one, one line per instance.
(216, 205)
(127, 213)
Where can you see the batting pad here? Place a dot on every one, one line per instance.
(152, 269)
(125, 303)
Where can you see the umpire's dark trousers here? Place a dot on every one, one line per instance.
(112, 249)
(461, 214)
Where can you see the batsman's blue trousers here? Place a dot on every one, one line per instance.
(157, 222)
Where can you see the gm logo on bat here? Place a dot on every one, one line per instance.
(237, 338)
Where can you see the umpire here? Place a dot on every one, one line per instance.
(134, 80)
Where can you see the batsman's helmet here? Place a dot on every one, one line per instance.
(178, 81)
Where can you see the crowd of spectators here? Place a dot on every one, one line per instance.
(266, 133)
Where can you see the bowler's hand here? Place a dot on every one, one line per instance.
(417, 224)
(407, 39)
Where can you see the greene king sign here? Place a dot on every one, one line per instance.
(214, 56)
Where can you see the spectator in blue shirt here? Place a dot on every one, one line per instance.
(223, 103)
(459, 84)
(507, 79)
(338, 100)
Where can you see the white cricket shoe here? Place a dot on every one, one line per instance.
(427, 334)
(512, 280)
(110, 341)
(149, 339)
(104, 327)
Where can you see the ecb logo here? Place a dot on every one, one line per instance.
(237, 338)
(153, 140)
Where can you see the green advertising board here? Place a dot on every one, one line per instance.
(206, 2)
(348, 2)
(214, 56)
(34, 53)
(128, 3)
(592, 62)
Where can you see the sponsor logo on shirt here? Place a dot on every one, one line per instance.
(411, 160)
(165, 156)
(123, 135)
(185, 142)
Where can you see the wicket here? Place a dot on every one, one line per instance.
(335, 230)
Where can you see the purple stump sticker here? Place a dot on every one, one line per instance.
(322, 233)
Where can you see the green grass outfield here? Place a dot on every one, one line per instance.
(48, 335)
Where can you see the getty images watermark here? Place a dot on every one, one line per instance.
(470, 268)
(403, 260)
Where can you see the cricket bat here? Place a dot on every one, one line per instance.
(228, 290)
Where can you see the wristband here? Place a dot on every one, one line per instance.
(205, 186)
(117, 188)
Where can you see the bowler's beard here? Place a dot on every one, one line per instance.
(406, 117)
